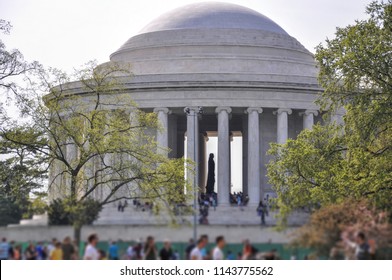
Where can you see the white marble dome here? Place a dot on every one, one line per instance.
(212, 15)
(215, 41)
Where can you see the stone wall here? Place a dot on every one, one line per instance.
(233, 234)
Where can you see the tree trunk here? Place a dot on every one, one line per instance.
(77, 234)
(76, 225)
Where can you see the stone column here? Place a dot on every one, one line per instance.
(253, 156)
(192, 144)
(162, 131)
(308, 118)
(180, 144)
(223, 155)
(245, 155)
(173, 128)
(282, 133)
(202, 161)
(231, 140)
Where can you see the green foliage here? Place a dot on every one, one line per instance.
(22, 172)
(355, 65)
(331, 163)
(20, 167)
(38, 204)
(57, 215)
(10, 211)
(306, 172)
(60, 212)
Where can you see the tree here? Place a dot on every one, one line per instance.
(61, 214)
(355, 73)
(305, 172)
(21, 169)
(330, 163)
(98, 144)
(12, 63)
(22, 174)
(328, 226)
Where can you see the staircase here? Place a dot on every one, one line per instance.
(224, 215)
(131, 216)
(36, 220)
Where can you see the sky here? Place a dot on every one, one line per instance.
(67, 34)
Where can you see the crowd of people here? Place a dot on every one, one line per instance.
(137, 205)
(239, 198)
(206, 202)
(361, 249)
(68, 250)
(54, 250)
(148, 250)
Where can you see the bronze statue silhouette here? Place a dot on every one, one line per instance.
(210, 175)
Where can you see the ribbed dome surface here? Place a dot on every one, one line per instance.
(212, 15)
(215, 41)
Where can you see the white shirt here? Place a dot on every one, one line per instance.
(91, 253)
(217, 254)
(50, 248)
(130, 252)
(196, 254)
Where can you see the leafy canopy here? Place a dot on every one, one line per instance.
(331, 162)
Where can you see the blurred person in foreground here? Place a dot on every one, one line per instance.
(230, 256)
(166, 252)
(361, 247)
(30, 252)
(4, 249)
(102, 255)
(138, 250)
(91, 252)
(113, 251)
(11, 248)
(189, 248)
(217, 253)
(271, 255)
(76, 248)
(130, 254)
(57, 252)
(176, 255)
(248, 251)
(68, 249)
(196, 253)
(51, 246)
(150, 251)
(18, 252)
(42, 251)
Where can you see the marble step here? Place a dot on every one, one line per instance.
(230, 215)
(36, 220)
